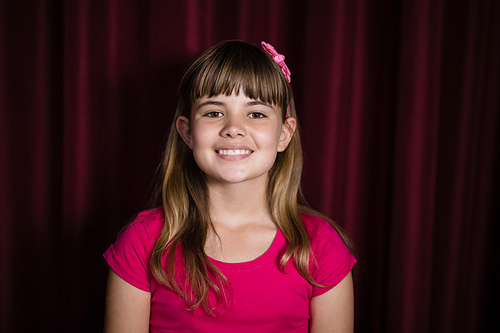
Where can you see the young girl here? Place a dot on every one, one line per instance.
(233, 246)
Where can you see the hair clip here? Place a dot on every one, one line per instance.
(279, 58)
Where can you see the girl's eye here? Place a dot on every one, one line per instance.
(213, 114)
(257, 115)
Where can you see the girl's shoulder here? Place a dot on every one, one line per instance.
(130, 255)
(332, 260)
(147, 224)
(151, 217)
(321, 231)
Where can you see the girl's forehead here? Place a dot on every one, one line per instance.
(259, 87)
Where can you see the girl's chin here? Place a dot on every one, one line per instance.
(236, 179)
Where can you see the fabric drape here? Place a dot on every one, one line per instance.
(398, 103)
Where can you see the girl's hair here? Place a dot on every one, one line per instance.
(227, 67)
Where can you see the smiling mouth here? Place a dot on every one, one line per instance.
(233, 151)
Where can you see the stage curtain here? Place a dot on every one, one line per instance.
(398, 105)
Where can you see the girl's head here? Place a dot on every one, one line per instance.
(235, 66)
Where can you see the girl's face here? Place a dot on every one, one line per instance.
(234, 138)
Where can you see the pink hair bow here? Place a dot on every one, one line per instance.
(279, 58)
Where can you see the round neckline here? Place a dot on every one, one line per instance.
(277, 243)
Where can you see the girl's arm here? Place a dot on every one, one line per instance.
(333, 311)
(127, 307)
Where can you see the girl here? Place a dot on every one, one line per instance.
(234, 247)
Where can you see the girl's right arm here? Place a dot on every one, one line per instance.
(127, 307)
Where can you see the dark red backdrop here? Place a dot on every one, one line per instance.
(399, 104)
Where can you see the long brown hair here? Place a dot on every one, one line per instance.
(227, 67)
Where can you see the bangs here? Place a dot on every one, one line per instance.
(236, 66)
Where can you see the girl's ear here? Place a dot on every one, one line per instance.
(183, 126)
(287, 130)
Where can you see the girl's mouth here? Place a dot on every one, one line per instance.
(233, 151)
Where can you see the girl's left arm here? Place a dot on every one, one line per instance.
(127, 307)
(333, 311)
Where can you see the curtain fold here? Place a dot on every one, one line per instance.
(412, 225)
(398, 103)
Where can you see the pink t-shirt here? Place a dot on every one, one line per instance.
(263, 299)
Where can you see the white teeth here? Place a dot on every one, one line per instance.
(234, 151)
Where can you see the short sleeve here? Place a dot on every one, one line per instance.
(332, 261)
(130, 255)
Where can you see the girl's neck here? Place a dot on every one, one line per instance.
(244, 228)
(239, 204)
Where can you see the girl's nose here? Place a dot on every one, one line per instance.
(233, 127)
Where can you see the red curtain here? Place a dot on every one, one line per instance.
(398, 103)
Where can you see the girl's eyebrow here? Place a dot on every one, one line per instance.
(209, 103)
(255, 102)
